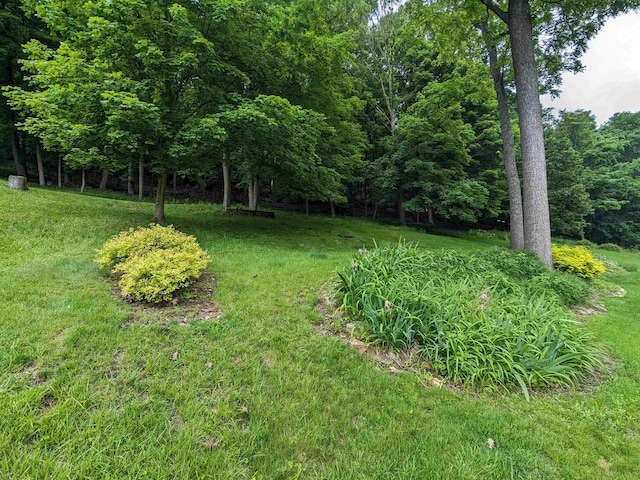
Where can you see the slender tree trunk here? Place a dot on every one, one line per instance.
(256, 191)
(130, 184)
(508, 147)
(402, 215)
(537, 226)
(226, 194)
(59, 172)
(430, 215)
(272, 188)
(175, 184)
(250, 195)
(104, 180)
(306, 206)
(40, 163)
(15, 140)
(375, 210)
(141, 177)
(253, 191)
(158, 216)
(333, 210)
(17, 155)
(366, 200)
(84, 181)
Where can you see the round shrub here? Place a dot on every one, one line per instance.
(576, 260)
(611, 247)
(153, 264)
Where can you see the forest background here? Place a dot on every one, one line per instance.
(380, 109)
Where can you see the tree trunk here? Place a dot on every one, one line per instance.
(253, 194)
(226, 194)
(430, 215)
(250, 195)
(306, 206)
(104, 180)
(41, 180)
(537, 226)
(333, 210)
(272, 188)
(402, 215)
(375, 210)
(158, 216)
(175, 184)
(508, 147)
(84, 181)
(130, 185)
(17, 182)
(17, 155)
(59, 172)
(141, 177)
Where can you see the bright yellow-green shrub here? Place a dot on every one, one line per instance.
(576, 260)
(153, 263)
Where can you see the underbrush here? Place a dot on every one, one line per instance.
(492, 318)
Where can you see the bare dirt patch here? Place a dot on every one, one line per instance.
(595, 307)
(199, 306)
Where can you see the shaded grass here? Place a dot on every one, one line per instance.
(84, 393)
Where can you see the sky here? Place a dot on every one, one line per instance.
(610, 82)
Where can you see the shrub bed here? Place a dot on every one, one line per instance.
(494, 318)
(153, 264)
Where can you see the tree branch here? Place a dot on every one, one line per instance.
(502, 15)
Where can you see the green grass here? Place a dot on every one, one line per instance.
(87, 393)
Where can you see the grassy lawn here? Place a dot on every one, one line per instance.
(90, 390)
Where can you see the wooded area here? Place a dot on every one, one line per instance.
(403, 109)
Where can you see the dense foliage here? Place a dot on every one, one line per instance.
(384, 107)
(577, 260)
(493, 318)
(153, 264)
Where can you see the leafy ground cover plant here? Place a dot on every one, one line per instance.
(494, 318)
(153, 264)
(611, 247)
(576, 260)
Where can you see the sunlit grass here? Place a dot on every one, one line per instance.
(87, 393)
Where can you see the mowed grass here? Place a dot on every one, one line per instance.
(85, 392)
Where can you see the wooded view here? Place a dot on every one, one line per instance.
(391, 109)
(290, 239)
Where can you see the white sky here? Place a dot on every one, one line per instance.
(610, 82)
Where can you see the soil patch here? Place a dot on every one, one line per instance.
(198, 307)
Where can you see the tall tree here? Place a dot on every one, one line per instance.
(562, 31)
(537, 225)
(156, 61)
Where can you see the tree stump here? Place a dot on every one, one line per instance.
(17, 182)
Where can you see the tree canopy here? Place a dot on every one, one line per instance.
(388, 108)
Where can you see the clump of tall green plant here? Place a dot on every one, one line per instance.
(486, 319)
(153, 264)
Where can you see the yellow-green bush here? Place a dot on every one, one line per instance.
(153, 264)
(576, 260)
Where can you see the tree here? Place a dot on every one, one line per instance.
(16, 29)
(154, 61)
(569, 201)
(537, 226)
(559, 37)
